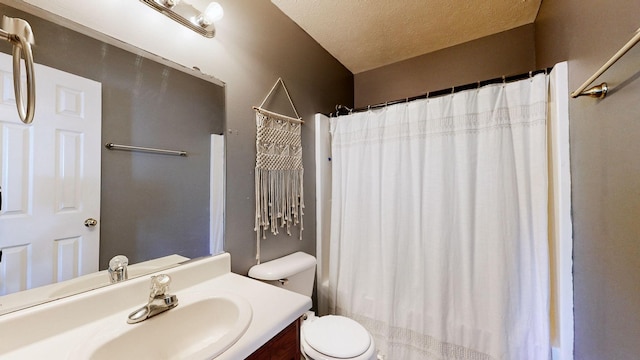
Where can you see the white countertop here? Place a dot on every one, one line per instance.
(54, 330)
(42, 294)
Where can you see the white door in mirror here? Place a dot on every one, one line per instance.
(50, 180)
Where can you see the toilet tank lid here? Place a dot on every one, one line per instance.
(283, 267)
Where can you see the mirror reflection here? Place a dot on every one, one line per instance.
(69, 204)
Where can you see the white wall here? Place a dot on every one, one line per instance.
(560, 222)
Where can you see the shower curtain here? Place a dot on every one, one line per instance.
(439, 224)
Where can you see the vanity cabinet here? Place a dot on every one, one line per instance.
(284, 346)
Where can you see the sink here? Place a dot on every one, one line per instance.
(220, 315)
(202, 326)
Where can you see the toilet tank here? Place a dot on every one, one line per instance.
(294, 272)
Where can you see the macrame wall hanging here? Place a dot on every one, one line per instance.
(279, 171)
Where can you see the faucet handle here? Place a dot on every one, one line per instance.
(117, 262)
(118, 268)
(160, 285)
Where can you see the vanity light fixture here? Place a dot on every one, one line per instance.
(200, 21)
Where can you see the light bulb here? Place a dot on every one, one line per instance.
(170, 3)
(211, 14)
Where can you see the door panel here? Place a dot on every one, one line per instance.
(50, 180)
(17, 160)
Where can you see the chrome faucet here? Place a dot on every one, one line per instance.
(118, 269)
(159, 300)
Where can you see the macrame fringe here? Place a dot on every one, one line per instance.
(279, 197)
(278, 174)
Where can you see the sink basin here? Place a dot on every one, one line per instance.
(202, 326)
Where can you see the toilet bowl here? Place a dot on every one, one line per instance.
(330, 337)
(333, 337)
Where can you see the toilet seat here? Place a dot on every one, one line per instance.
(336, 337)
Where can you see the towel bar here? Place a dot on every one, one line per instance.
(112, 146)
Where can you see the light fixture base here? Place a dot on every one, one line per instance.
(184, 14)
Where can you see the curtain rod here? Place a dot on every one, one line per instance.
(344, 110)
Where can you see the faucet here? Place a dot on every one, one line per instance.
(159, 300)
(118, 269)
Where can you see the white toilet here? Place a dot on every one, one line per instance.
(328, 337)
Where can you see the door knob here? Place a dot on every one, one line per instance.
(90, 222)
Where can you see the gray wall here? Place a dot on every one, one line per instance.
(262, 45)
(508, 53)
(151, 205)
(605, 170)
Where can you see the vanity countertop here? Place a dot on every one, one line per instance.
(42, 294)
(56, 329)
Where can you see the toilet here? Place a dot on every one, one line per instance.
(330, 337)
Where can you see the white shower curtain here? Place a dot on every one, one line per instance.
(439, 224)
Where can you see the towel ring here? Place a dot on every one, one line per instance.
(19, 33)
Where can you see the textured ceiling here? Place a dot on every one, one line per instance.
(366, 34)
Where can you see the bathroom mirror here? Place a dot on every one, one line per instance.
(153, 207)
